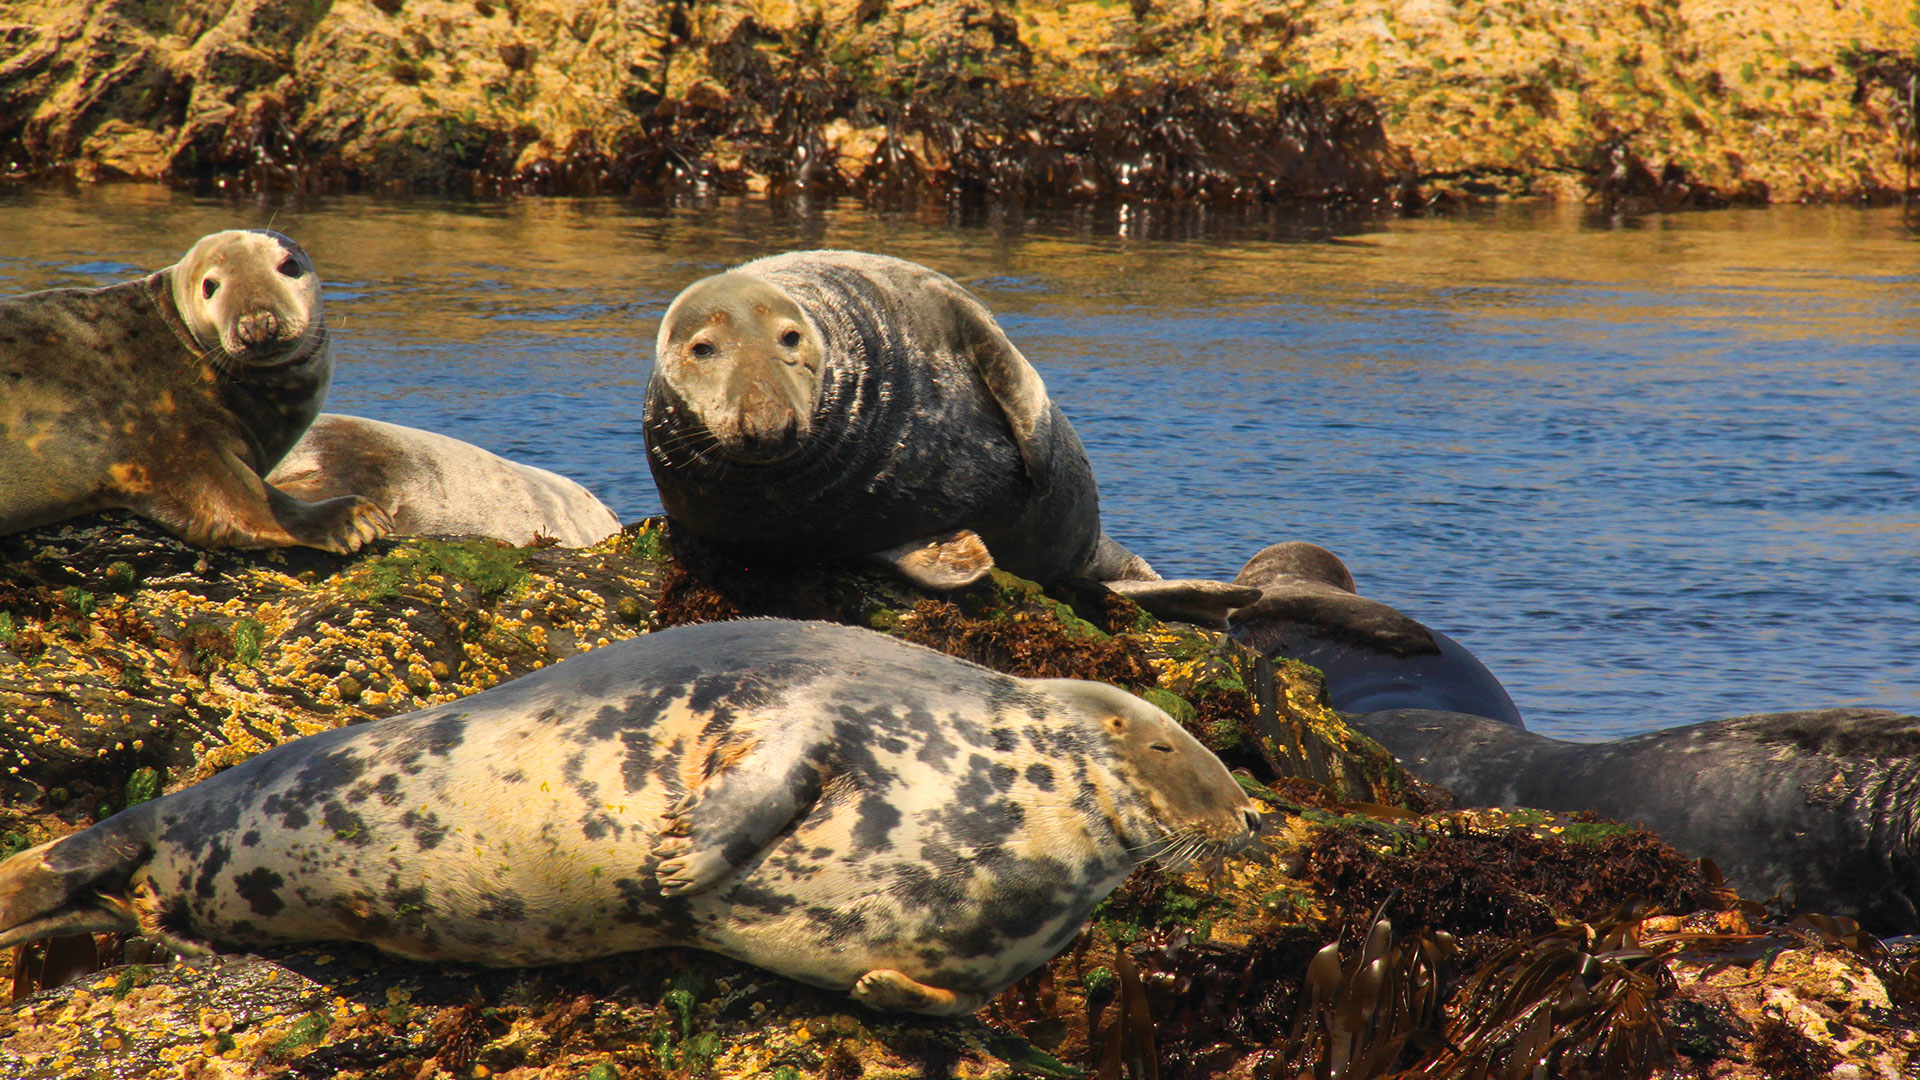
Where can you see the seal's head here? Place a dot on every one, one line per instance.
(1308, 596)
(249, 296)
(1195, 808)
(1293, 562)
(744, 361)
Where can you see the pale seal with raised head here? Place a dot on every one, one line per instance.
(436, 485)
(838, 405)
(171, 396)
(1826, 802)
(819, 800)
(1373, 656)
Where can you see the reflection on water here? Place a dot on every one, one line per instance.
(1651, 473)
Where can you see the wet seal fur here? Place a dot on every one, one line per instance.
(432, 484)
(1373, 656)
(837, 405)
(823, 801)
(1827, 801)
(172, 396)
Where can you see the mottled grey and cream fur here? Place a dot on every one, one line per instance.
(834, 404)
(432, 484)
(1373, 656)
(172, 396)
(823, 801)
(1826, 802)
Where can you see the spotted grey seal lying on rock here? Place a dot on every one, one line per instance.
(172, 396)
(834, 404)
(1827, 801)
(432, 484)
(1373, 656)
(819, 800)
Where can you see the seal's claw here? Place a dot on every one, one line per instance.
(691, 872)
(369, 523)
(885, 988)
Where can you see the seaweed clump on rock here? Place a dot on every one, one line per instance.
(134, 663)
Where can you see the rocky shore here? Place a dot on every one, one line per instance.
(1373, 923)
(1664, 104)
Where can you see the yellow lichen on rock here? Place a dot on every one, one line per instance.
(1684, 102)
(1522, 94)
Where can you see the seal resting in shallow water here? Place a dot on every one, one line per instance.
(432, 484)
(1373, 656)
(171, 396)
(836, 405)
(823, 801)
(1826, 801)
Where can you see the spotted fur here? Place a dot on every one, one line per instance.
(822, 801)
(172, 396)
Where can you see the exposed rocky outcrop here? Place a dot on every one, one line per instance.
(135, 664)
(1661, 104)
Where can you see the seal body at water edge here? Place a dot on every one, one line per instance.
(172, 396)
(435, 485)
(822, 801)
(1373, 656)
(836, 405)
(1826, 801)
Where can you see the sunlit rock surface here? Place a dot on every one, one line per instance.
(133, 664)
(1660, 104)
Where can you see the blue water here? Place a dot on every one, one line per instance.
(1651, 471)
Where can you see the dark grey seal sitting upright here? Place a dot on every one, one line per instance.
(835, 405)
(436, 485)
(172, 396)
(1825, 801)
(1373, 656)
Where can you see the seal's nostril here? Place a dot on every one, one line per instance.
(1253, 819)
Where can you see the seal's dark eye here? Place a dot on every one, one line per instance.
(1160, 746)
(791, 339)
(291, 267)
(209, 287)
(702, 350)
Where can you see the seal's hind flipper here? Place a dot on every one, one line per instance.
(948, 561)
(1194, 600)
(751, 794)
(74, 885)
(890, 991)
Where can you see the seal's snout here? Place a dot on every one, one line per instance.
(766, 425)
(768, 437)
(256, 329)
(1252, 817)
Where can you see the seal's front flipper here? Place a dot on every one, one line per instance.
(1194, 600)
(1016, 387)
(342, 526)
(751, 793)
(951, 560)
(217, 500)
(890, 991)
(75, 885)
